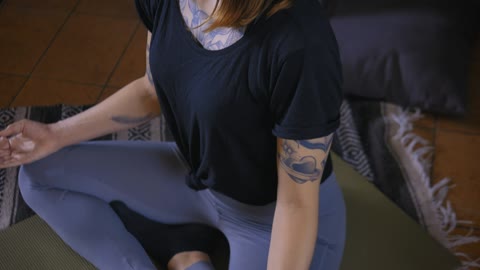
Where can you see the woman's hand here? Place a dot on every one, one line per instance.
(26, 141)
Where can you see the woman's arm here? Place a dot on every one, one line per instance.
(295, 225)
(132, 105)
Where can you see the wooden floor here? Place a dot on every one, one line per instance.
(81, 51)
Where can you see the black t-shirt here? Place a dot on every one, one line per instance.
(226, 108)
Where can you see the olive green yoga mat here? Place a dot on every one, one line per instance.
(382, 237)
(379, 237)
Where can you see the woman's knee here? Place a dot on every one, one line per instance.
(25, 181)
(29, 177)
(40, 172)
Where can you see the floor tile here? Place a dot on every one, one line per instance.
(9, 87)
(472, 249)
(107, 92)
(427, 121)
(111, 8)
(63, 5)
(456, 157)
(470, 123)
(426, 133)
(87, 49)
(49, 92)
(132, 64)
(25, 35)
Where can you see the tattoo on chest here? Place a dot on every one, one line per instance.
(300, 167)
(217, 39)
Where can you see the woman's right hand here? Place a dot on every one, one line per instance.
(26, 141)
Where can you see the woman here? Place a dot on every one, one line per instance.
(251, 93)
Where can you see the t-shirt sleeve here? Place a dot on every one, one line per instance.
(147, 10)
(307, 93)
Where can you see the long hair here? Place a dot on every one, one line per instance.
(240, 13)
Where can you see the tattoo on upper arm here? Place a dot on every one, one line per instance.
(128, 120)
(304, 168)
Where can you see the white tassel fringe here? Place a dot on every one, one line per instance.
(437, 193)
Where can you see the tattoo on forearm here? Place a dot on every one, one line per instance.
(128, 120)
(303, 169)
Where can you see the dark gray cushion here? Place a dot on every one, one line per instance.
(412, 53)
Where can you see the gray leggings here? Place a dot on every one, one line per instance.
(71, 188)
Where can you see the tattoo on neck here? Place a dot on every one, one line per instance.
(217, 39)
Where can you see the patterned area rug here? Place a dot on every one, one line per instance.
(375, 138)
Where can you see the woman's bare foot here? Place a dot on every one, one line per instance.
(183, 260)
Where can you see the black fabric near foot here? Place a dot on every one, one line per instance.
(163, 241)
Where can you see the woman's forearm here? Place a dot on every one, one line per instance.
(293, 238)
(132, 105)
